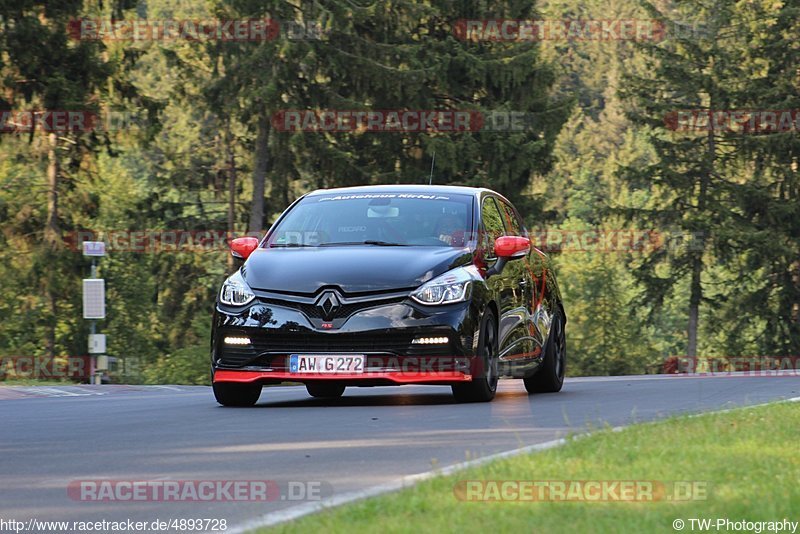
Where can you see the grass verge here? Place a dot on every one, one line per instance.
(746, 459)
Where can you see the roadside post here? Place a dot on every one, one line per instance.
(94, 308)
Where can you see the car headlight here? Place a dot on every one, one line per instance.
(452, 286)
(235, 291)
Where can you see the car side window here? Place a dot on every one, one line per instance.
(512, 221)
(493, 226)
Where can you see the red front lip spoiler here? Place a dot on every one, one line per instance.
(444, 377)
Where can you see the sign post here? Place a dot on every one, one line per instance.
(94, 307)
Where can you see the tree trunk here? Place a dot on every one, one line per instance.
(796, 290)
(695, 284)
(220, 170)
(52, 241)
(279, 179)
(231, 190)
(695, 296)
(51, 228)
(259, 174)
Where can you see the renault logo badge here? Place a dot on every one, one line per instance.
(328, 304)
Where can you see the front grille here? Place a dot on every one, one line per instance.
(312, 311)
(236, 356)
(266, 346)
(334, 342)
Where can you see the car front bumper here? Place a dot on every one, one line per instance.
(384, 334)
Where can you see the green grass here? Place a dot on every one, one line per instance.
(748, 458)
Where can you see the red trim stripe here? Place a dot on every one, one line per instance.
(226, 375)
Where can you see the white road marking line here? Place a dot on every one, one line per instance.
(55, 392)
(48, 392)
(677, 376)
(296, 512)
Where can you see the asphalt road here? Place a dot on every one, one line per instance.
(52, 437)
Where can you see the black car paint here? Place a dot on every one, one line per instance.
(356, 269)
(523, 296)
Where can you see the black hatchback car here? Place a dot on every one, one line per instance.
(387, 285)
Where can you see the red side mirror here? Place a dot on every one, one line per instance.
(511, 246)
(242, 247)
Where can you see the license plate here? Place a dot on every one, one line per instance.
(326, 363)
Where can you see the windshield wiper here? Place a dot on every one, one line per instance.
(367, 242)
(288, 245)
(383, 243)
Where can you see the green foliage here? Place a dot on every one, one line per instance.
(731, 188)
(597, 157)
(189, 365)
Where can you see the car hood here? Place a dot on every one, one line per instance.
(354, 269)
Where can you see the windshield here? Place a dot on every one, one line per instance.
(381, 219)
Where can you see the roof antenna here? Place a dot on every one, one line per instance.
(433, 161)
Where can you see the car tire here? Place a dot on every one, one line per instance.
(228, 394)
(324, 390)
(483, 387)
(549, 378)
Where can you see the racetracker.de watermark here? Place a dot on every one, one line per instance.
(27, 121)
(156, 241)
(401, 120)
(756, 366)
(546, 240)
(246, 30)
(106, 490)
(16, 367)
(511, 30)
(763, 121)
(614, 240)
(580, 490)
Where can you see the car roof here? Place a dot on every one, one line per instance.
(406, 188)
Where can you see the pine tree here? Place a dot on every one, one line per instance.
(764, 241)
(45, 70)
(687, 185)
